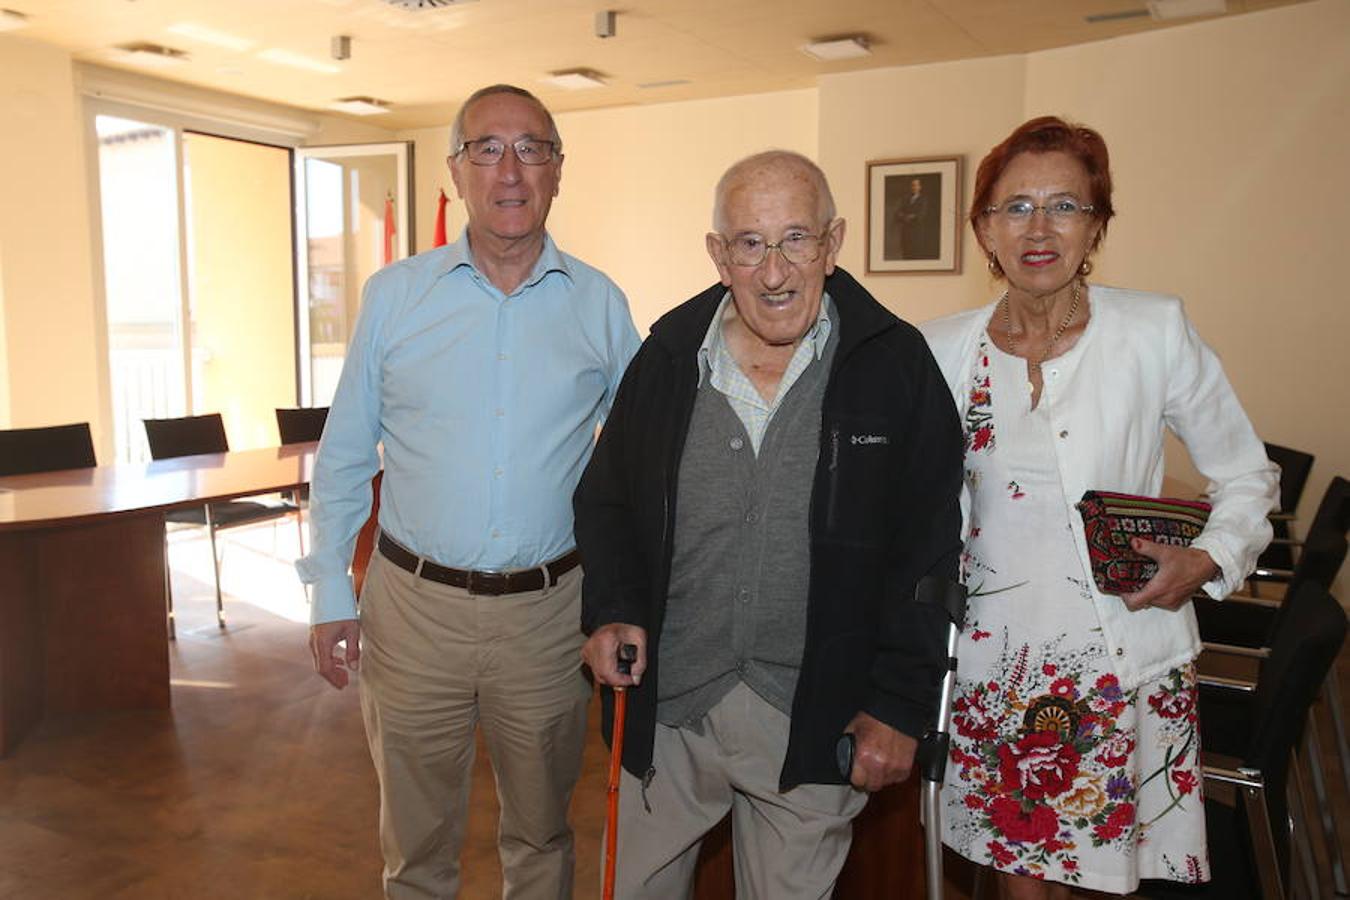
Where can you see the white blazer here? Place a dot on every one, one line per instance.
(1138, 367)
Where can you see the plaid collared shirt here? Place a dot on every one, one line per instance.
(719, 368)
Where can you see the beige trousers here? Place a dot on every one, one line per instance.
(435, 663)
(786, 846)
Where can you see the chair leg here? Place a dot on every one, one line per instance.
(1331, 691)
(1312, 743)
(1301, 851)
(300, 525)
(168, 589)
(1263, 841)
(215, 564)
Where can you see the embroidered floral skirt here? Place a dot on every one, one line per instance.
(1057, 773)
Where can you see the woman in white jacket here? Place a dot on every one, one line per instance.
(1075, 748)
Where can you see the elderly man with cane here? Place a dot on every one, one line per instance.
(781, 466)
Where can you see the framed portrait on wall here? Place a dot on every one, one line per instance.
(914, 215)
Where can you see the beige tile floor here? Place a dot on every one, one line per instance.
(256, 785)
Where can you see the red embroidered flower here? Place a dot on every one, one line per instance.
(1049, 668)
(1001, 854)
(1054, 846)
(981, 438)
(1116, 750)
(1039, 765)
(1063, 687)
(978, 635)
(974, 801)
(1070, 865)
(1185, 780)
(1170, 705)
(1008, 819)
(1116, 823)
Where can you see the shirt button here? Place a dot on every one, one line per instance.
(496, 533)
(499, 412)
(498, 472)
(737, 443)
(1064, 434)
(501, 356)
(1054, 373)
(1120, 651)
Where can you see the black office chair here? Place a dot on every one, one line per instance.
(24, 451)
(190, 436)
(1250, 844)
(1295, 466)
(302, 424)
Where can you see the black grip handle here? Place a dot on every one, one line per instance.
(843, 755)
(627, 656)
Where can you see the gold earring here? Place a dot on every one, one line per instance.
(1085, 268)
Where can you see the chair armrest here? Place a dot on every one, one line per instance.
(1230, 684)
(1241, 776)
(1249, 600)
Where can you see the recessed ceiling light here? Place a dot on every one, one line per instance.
(850, 47)
(360, 106)
(1186, 9)
(10, 20)
(211, 36)
(297, 61)
(574, 79)
(1119, 16)
(144, 53)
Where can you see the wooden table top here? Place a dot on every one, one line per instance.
(50, 499)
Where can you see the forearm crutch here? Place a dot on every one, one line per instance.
(627, 654)
(933, 748)
(936, 744)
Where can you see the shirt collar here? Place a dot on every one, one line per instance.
(550, 259)
(818, 335)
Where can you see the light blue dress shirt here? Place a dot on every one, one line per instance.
(486, 405)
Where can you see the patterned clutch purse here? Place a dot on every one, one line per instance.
(1111, 520)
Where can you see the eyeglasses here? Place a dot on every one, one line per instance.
(797, 247)
(1061, 211)
(489, 151)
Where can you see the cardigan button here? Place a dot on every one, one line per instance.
(1120, 651)
(737, 443)
(1064, 434)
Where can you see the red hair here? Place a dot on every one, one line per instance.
(1049, 134)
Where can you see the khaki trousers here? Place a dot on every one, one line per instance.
(435, 663)
(786, 846)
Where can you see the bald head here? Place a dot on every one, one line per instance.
(776, 167)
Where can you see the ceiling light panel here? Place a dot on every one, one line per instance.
(360, 106)
(839, 48)
(1186, 9)
(11, 20)
(574, 80)
(143, 53)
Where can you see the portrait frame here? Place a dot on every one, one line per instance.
(914, 215)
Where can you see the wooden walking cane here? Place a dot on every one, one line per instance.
(627, 654)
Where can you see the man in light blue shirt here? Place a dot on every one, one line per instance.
(483, 368)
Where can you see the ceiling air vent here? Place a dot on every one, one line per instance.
(422, 4)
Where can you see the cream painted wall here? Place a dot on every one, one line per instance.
(946, 109)
(51, 341)
(1229, 143)
(637, 185)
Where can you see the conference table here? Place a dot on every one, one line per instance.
(83, 595)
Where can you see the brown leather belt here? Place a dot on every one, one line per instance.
(494, 583)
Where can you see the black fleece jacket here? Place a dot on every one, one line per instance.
(884, 513)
